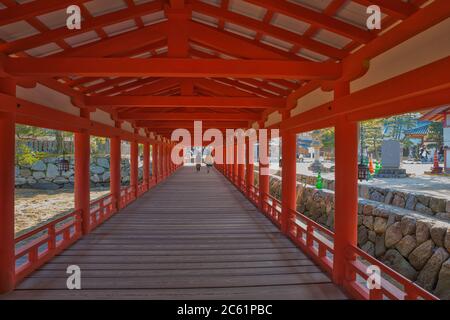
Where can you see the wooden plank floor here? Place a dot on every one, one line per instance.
(192, 237)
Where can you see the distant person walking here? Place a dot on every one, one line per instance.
(198, 161)
(424, 153)
(209, 160)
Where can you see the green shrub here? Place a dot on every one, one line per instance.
(27, 157)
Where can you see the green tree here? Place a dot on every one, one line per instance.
(396, 125)
(373, 136)
(436, 134)
(98, 145)
(327, 140)
(29, 132)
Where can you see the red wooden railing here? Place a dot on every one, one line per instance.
(102, 209)
(151, 182)
(243, 185)
(141, 188)
(312, 238)
(127, 195)
(318, 242)
(393, 285)
(271, 207)
(36, 247)
(253, 194)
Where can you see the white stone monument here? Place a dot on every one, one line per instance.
(390, 160)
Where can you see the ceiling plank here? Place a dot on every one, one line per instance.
(267, 29)
(395, 8)
(88, 25)
(317, 19)
(33, 9)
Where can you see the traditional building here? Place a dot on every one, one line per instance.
(442, 114)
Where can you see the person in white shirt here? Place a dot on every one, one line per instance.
(209, 160)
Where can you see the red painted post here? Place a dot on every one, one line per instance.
(250, 175)
(169, 158)
(241, 164)
(155, 162)
(134, 163)
(161, 161)
(263, 178)
(230, 158)
(235, 165)
(7, 178)
(82, 175)
(346, 188)
(114, 168)
(146, 164)
(159, 164)
(288, 180)
(164, 159)
(224, 166)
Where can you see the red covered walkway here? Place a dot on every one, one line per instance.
(137, 70)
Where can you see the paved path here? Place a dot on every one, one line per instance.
(418, 182)
(192, 237)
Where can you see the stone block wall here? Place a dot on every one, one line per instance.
(412, 243)
(44, 174)
(431, 206)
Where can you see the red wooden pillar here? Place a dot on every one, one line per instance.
(114, 169)
(263, 178)
(288, 180)
(7, 178)
(346, 188)
(249, 165)
(241, 164)
(165, 169)
(134, 170)
(155, 162)
(82, 174)
(146, 164)
(224, 165)
(172, 164)
(230, 158)
(235, 165)
(160, 160)
(169, 157)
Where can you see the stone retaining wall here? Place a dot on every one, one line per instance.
(431, 206)
(412, 243)
(44, 174)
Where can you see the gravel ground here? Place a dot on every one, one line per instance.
(34, 207)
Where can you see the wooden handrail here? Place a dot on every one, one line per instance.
(38, 249)
(354, 265)
(102, 209)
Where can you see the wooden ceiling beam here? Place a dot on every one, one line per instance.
(183, 101)
(215, 116)
(160, 67)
